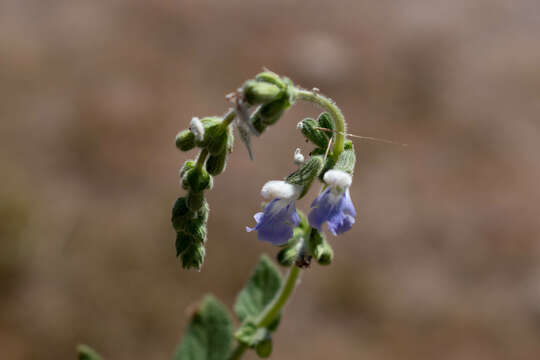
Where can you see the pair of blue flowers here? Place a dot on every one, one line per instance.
(334, 206)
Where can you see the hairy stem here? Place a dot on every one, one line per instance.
(274, 308)
(329, 106)
(201, 158)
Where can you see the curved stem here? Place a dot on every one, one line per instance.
(274, 308)
(328, 105)
(201, 158)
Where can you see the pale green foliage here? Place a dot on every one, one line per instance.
(259, 291)
(209, 335)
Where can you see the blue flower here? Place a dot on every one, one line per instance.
(276, 223)
(334, 205)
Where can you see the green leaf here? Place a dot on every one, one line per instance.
(85, 352)
(209, 335)
(261, 288)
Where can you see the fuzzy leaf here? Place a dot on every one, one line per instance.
(261, 288)
(209, 335)
(85, 352)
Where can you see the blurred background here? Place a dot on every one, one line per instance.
(444, 259)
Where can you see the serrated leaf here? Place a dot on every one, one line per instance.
(209, 335)
(261, 288)
(85, 352)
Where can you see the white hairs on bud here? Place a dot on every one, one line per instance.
(299, 125)
(197, 128)
(277, 189)
(298, 157)
(337, 178)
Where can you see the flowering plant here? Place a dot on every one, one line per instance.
(259, 104)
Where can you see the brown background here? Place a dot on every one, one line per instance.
(443, 262)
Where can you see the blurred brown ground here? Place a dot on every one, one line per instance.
(444, 260)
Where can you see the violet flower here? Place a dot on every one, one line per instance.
(334, 205)
(275, 225)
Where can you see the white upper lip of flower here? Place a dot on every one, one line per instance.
(197, 128)
(337, 178)
(277, 189)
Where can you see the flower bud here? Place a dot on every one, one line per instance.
(305, 175)
(320, 248)
(181, 214)
(215, 164)
(264, 347)
(193, 256)
(271, 78)
(308, 127)
(189, 164)
(325, 121)
(207, 124)
(288, 255)
(270, 113)
(196, 180)
(259, 92)
(257, 123)
(185, 140)
(346, 161)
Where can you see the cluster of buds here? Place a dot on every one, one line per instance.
(190, 213)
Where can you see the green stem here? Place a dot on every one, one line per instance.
(202, 158)
(274, 308)
(328, 105)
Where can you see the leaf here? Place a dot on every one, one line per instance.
(260, 290)
(209, 335)
(85, 352)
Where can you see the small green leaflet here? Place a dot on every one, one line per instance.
(85, 352)
(209, 335)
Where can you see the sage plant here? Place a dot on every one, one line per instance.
(299, 239)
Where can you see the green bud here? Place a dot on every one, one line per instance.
(193, 256)
(181, 214)
(304, 175)
(329, 164)
(185, 140)
(270, 113)
(325, 121)
(308, 127)
(216, 139)
(190, 164)
(264, 347)
(320, 248)
(183, 241)
(271, 78)
(258, 92)
(215, 164)
(208, 123)
(348, 145)
(195, 200)
(257, 123)
(346, 161)
(287, 256)
(196, 180)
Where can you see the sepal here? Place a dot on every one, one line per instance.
(308, 127)
(320, 248)
(306, 173)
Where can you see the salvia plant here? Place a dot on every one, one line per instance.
(300, 239)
